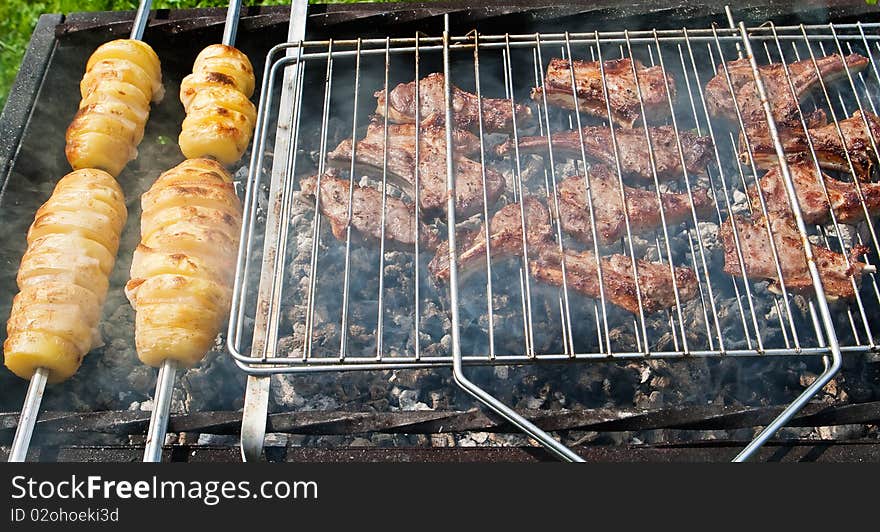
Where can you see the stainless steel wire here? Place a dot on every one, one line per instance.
(659, 46)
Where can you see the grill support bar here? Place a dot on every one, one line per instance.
(256, 404)
(31, 408)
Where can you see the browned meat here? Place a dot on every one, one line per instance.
(432, 133)
(759, 263)
(655, 279)
(814, 203)
(785, 107)
(830, 151)
(366, 213)
(497, 112)
(620, 84)
(505, 238)
(632, 146)
(642, 207)
(432, 170)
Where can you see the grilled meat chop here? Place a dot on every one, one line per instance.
(804, 77)
(432, 133)
(759, 264)
(366, 213)
(401, 158)
(497, 112)
(814, 203)
(830, 151)
(506, 241)
(505, 238)
(619, 83)
(642, 207)
(632, 147)
(582, 276)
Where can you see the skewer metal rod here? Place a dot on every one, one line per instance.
(31, 408)
(161, 412)
(29, 412)
(168, 370)
(230, 28)
(141, 19)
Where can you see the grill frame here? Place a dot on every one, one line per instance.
(270, 363)
(267, 306)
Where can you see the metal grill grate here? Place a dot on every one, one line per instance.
(333, 86)
(325, 303)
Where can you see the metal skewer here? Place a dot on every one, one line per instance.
(31, 408)
(29, 412)
(168, 371)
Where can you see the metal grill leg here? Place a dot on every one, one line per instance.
(457, 367)
(821, 299)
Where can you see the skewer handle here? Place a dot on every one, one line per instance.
(28, 418)
(141, 19)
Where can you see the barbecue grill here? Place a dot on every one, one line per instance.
(307, 303)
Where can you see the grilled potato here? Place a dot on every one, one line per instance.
(122, 77)
(63, 276)
(220, 117)
(182, 271)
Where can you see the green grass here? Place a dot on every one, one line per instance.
(18, 18)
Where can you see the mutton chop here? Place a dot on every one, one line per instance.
(608, 208)
(831, 152)
(370, 157)
(497, 112)
(815, 205)
(431, 132)
(757, 254)
(632, 147)
(505, 239)
(804, 77)
(545, 261)
(623, 98)
(366, 221)
(582, 275)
